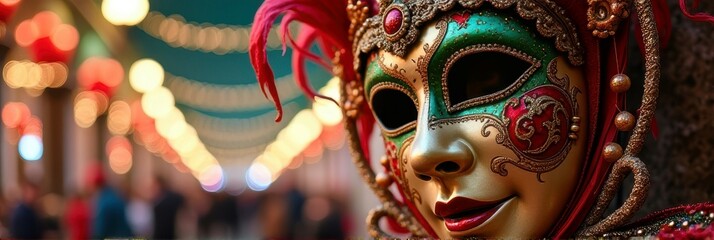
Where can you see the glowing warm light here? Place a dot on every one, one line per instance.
(186, 142)
(325, 110)
(258, 177)
(33, 127)
(30, 147)
(15, 114)
(211, 176)
(172, 125)
(125, 12)
(85, 111)
(101, 74)
(26, 33)
(119, 119)
(9, 3)
(35, 76)
(118, 150)
(314, 150)
(145, 75)
(46, 22)
(120, 160)
(158, 102)
(15, 74)
(59, 74)
(65, 37)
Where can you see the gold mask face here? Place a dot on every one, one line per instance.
(484, 123)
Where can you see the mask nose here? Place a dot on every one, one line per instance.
(438, 153)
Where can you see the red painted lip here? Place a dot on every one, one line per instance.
(461, 214)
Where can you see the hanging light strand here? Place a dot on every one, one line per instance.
(205, 37)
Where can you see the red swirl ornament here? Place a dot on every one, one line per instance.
(538, 122)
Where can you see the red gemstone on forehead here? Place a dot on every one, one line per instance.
(393, 21)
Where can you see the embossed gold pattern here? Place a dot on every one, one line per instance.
(605, 15)
(550, 22)
(595, 224)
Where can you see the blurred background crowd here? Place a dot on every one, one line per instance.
(139, 118)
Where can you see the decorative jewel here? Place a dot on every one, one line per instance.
(625, 121)
(384, 180)
(612, 152)
(620, 83)
(395, 21)
(605, 15)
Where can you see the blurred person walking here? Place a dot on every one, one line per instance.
(109, 219)
(78, 216)
(167, 205)
(25, 222)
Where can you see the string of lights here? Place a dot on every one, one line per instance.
(197, 94)
(219, 39)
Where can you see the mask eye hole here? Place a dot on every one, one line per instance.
(485, 76)
(393, 108)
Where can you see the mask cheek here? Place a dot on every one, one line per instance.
(538, 122)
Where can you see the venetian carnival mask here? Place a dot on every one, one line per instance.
(497, 117)
(481, 126)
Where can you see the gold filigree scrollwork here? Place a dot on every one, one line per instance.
(393, 70)
(549, 17)
(594, 225)
(537, 106)
(403, 216)
(540, 166)
(605, 15)
(410, 193)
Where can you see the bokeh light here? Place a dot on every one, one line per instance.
(26, 33)
(145, 75)
(119, 152)
(158, 103)
(30, 147)
(102, 74)
(328, 112)
(258, 177)
(33, 126)
(14, 114)
(65, 37)
(119, 119)
(35, 76)
(212, 178)
(125, 12)
(172, 125)
(46, 22)
(86, 109)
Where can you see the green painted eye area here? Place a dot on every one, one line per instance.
(479, 75)
(393, 108)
